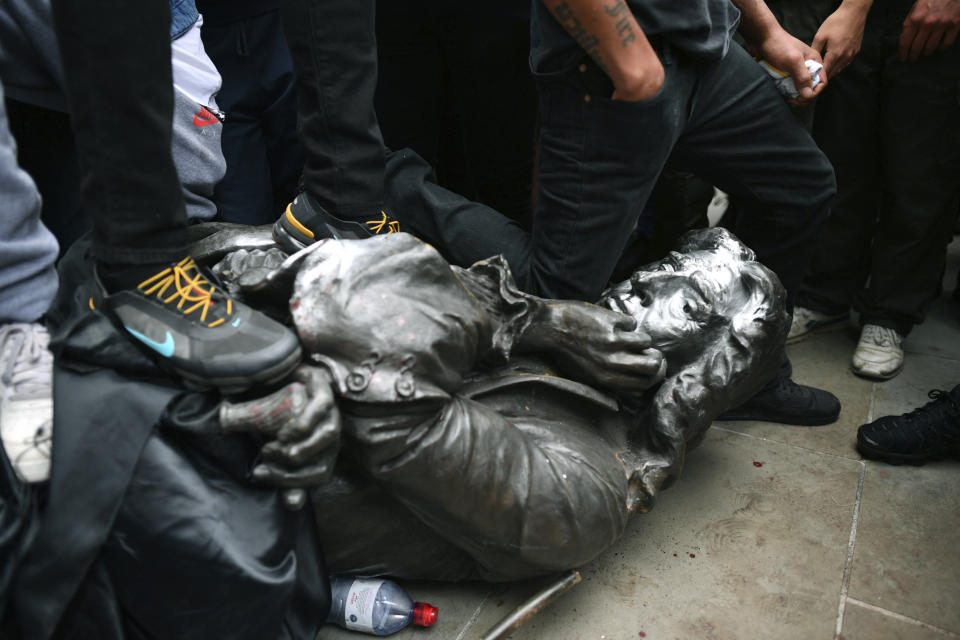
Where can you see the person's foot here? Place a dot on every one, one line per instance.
(879, 353)
(26, 399)
(201, 334)
(927, 433)
(787, 402)
(305, 222)
(807, 322)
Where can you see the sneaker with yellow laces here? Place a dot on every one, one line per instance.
(202, 335)
(305, 222)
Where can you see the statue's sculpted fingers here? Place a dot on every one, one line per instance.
(264, 415)
(311, 475)
(325, 435)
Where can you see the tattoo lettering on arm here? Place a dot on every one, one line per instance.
(619, 11)
(589, 42)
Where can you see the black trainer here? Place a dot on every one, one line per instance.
(787, 402)
(201, 334)
(305, 222)
(930, 432)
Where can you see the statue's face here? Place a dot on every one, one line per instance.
(672, 304)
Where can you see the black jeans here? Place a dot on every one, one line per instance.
(116, 63)
(334, 51)
(892, 129)
(455, 86)
(600, 159)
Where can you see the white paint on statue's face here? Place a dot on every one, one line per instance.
(673, 305)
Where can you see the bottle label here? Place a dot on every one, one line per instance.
(358, 609)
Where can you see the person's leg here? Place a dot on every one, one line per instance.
(122, 123)
(28, 283)
(334, 52)
(333, 47)
(130, 188)
(743, 138)
(846, 128)
(599, 160)
(463, 230)
(920, 138)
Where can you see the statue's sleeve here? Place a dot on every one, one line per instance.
(510, 310)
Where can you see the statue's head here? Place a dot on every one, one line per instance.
(711, 291)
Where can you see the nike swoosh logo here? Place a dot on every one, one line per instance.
(204, 117)
(164, 348)
(202, 123)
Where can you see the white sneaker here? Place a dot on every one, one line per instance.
(879, 353)
(26, 399)
(807, 322)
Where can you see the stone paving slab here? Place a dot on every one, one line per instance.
(751, 542)
(861, 623)
(905, 558)
(822, 361)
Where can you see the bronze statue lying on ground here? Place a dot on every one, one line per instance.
(446, 426)
(479, 432)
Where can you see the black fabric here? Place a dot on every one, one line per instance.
(152, 528)
(333, 47)
(701, 28)
(892, 130)
(454, 85)
(263, 154)
(221, 12)
(18, 525)
(118, 84)
(599, 160)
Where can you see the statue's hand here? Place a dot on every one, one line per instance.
(249, 270)
(304, 423)
(597, 346)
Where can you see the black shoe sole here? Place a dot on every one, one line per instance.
(228, 385)
(760, 415)
(288, 239)
(898, 459)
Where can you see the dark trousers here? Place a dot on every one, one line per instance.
(118, 77)
(600, 159)
(334, 52)
(264, 156)
(892, 130)
(455, 86)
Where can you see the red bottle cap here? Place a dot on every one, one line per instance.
(424, 614)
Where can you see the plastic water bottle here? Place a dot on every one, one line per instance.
(375, 606)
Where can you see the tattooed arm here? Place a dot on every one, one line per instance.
(607, 30)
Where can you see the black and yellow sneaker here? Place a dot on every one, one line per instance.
(305, 222)
(201, 334)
